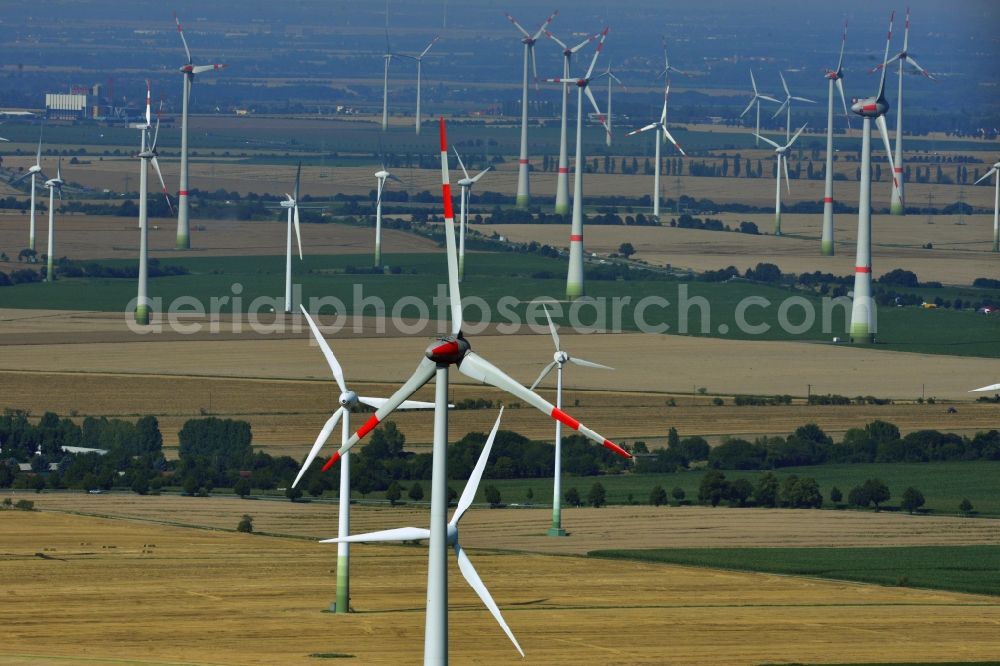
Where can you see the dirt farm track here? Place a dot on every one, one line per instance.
(88, 590)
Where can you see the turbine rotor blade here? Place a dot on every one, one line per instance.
(163, 185)
(984, 177)
(600, 115)
(331, 360)
(552, 328)
(843, 43)
(670, 138)
(920, 69)
(885, 58)
(201, 69)
(843, 98)
(544, 25)
(749, 106)
(398, 534)
(449, 234)
(517, 25)
(765, 139)
(460, 163)
(476, 583)
(784, 164)
(545, 371)
(406, 404)
(795, 136)
(324, 435)
(644, 129)
(180, 31)
(593, 61)
(295, 223)
(991, 387)
(589, 364)
(478, 368)
(472, 485)
(884, 131)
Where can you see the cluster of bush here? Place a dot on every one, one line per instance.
(20, 276)
(879, 441)
(92, 269)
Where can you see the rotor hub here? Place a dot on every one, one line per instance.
(560, 357)
(348, 399)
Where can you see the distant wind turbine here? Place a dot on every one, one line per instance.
(35, 170)
(995, 169)
(782, 153)
(419, 59)
(786, 106)
(466, 184)
(755, 100)
(660, 125)
(291, 203)
(834, 76)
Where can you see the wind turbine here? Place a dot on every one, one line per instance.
(755, 100)
(54, 185)
(669, 69)
(559, 360)
(523, 188)
(466, 184)
(863, 308)
(996, 204)
(348, 399)
(611, 78)
(380, 176)
(34, 170)
(420, 61)
(786, 106)
(189, 70)
(661, 124)
(574, 278)
(291, 203)
(385, 80)
(898, 204)
(562, 178)
(834, 76)
(452, 350)
(147, 155)
(782, 154)
(464, 563)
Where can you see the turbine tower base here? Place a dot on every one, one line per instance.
(556, 532)
(826, 248)
(142, 315)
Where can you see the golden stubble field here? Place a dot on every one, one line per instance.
(88, 590)
(108, 237)
(961, 252)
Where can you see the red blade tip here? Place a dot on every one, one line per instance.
(617, 449)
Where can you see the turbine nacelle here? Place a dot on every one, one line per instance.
(870, 107)
(382, 175)
(449, 350)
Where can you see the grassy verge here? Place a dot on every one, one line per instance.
(972, 569)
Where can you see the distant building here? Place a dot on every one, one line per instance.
(72, 106)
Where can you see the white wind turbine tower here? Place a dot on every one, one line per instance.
(863, 308)
(291, 203)
(523, 187)
(611, 79)
(189, 70)
(898, 204)
(466, 184)
(464, 563)
(834, 76)
(347, 400)
(419, 59)
(147, 154)
(54, 185)
(385, 79)
(574, 277)
(562, 177)
(660, 125)
(452, 350)
(33, 171)
(559, 360)
(995, 169)
(755, 100)
(786, 106)
(781, 152)
(380, 176)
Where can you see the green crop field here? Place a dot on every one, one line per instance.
(492, 276)
(973, 569)
(944, 484)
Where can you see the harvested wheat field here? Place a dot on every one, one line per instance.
(93, 590)
(108, 237)
(749, 367)
(960, 254)
(286, 414)
(524, 529)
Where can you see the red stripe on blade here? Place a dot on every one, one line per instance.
(608, 444)
(331, 462)
(449, 212)
(563, 417)
(444, 137)
(368, 426)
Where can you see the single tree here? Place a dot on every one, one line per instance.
(965, 507)
(877, 492)
(529, 496)
(245, 524)
(241, 487)
(293, 494)
(492, 495)
(912, 500)
(37, 483)
(740, 491)
(766, 492)
(597, 497)
(626, 250)
(678, 494)
(416, 492)
(658, 496)
(393, 493)
(572, 497)
(140, 485)
(714, 488)
(835, 495)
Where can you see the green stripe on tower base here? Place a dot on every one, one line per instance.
(523, 201)
(343, 603)
(826, 248)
